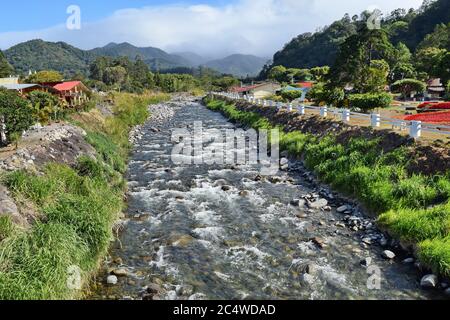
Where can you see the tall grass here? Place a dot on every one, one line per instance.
(415, 207)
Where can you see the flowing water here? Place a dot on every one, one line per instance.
(221, 232)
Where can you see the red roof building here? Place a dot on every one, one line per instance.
(75, 93)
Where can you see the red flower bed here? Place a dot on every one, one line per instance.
(432, 117)
(435, 105)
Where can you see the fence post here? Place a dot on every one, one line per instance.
(415, 131)
(289, 107)
(301, 109)
(279, 106)
(375, 120)
(324, 112)
(346, 115)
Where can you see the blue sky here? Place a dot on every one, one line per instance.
(45, 13)
(213, 28)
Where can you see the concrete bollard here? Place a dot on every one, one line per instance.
(375, 120)
(301, 110)
(324, 112)
(346, 115)
(289, 107)
(415, 131)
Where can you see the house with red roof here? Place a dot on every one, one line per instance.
(75, 93)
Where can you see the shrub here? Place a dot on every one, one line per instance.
(46, 106)
(407, 86)
(16, 113)
(292, 95)
(370, 101)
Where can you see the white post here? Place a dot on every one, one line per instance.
(375, 120)
(279, 106)
(289, 107)
(324, 112)
(415, 131)
(271, 104)
(301, 109)
(346, 115)
(264, 103)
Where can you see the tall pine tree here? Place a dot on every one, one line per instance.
(5, 67)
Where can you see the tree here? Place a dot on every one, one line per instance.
(369, 101)
(115, 75)
(374, 77)
(15, 114)
(225, 83)
(319, 73)
(354, 64)
(440, 38)
(278, 73)
(428, 60)
(5, 67)
(407, 86)
(45, 76)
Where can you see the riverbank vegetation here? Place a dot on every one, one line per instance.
(74, 209)
(413, 207)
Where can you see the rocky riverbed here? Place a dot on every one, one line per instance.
(228, 232)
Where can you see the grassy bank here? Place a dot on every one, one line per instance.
(415, 208)
(75, 209)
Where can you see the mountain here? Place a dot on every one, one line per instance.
(156, 58)
(194, 59)
(69, 60)
(42, 55)
(320, 48)
(239, 65)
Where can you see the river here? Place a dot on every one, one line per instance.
(225, 232)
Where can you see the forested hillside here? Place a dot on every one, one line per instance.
(407, 26)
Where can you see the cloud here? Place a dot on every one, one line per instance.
(251, 27)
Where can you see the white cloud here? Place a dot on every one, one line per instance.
(246, 26)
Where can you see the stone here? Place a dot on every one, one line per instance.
(318, 204)
(429, 281)
(342, 209)
(284, 161)
(120, 272)
(366, 262)
(112, 280)
(387, 254)
(318, 242)
(153, 288)
(367, 240)
(301, 215)
(226, 188)
(307, 279)
(408, 261)
(447, 292)
(244, 193)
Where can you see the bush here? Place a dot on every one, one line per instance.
(16, 112)
(46, 106)
(369, 101)
(292, 95)
(407, 86)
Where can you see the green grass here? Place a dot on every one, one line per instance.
(77, 209)
(415, 208)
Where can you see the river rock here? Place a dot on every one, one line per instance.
(120, 272)
(366, 262)
(318, 204)
(429, 281)
(342, 209)
(447, 292)
(284, 161)
(197, 297)
(319, 242)
(307, 279)
(387, 254)
(244, 193)
(112, 280)
(408, 261)
(226, 188)
(153, 288)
